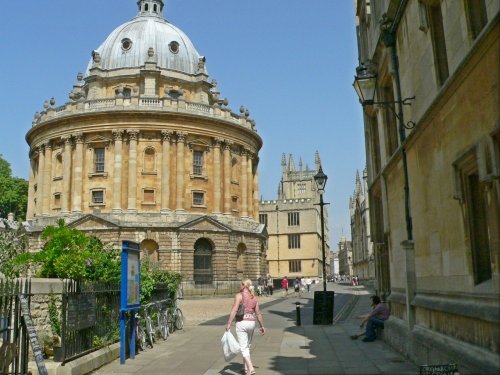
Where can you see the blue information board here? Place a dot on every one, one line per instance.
(130, 288)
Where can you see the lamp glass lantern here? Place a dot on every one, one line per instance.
(320, 179)
(365, 85)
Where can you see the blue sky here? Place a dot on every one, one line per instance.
(290, 62)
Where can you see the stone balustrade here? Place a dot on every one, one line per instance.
(144, 104)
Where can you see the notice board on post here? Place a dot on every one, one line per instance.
(320, 315)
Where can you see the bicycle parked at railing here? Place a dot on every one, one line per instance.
(140, 336)
(162, 320)
(150, 330)
(175, 316)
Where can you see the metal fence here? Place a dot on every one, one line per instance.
(90, 317)
(13, 335)
(210, 288)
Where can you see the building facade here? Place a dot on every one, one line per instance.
(147, 150)
(363, 262)
(293, 223)
(433, 174)
(345, 257)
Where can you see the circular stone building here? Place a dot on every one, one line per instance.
(146, 150)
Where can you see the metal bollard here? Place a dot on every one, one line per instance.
(297, 309)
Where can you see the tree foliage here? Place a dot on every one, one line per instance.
(151, 276)
(71, 254)
(13, 242)
(13, 192)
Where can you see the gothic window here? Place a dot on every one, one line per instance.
(294, 266)
(481, 209)
(293, 219)
(301, 187)
(263, 219)
(202, 261)
(149, 160)
(438, 42)
(99, 160)
(294, 241)
(476, 16)
(391, 126)
(375, 145)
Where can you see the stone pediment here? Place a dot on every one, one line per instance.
(97, 141)
(205, 223)
(92, 222)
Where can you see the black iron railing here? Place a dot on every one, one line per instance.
(209, 287)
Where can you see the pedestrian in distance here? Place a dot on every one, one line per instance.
(308, 284)
(284, 286)
(245, 325)
(270, 285)
(296, 287)
(374, 319)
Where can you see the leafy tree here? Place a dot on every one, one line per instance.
(71, 254)
(151, 276)
(13, 242)
(13, 192)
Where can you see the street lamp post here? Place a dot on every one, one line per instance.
(320, 179)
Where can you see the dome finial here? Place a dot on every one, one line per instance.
(152, 8)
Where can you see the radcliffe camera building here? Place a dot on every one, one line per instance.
(147, 150)
(433, 171)
(293, 224)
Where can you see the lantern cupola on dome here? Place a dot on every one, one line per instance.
(150, 8)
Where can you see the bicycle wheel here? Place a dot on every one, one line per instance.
(140, 338)
(149, 331)
(170, 321)
(179, 319)
(162, 323)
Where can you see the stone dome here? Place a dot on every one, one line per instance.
(128, 45)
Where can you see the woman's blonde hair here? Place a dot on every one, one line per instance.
(247, 283)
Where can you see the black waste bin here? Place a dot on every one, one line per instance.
(320, 305)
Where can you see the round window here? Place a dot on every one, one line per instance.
(174, 47)
(126, 44)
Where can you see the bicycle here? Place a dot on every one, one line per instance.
(140, 337)
(175, 316)
(150, 330)
(162, 321)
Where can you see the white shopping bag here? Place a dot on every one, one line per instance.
(230, 346)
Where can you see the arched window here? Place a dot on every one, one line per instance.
(202, 261)
(149, 160)
(149, 249)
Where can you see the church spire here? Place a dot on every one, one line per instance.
(317, 160)
(150, 8)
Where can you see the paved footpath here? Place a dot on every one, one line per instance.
(286, 349)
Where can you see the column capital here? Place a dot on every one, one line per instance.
(41, 148)
(117, 134)
(181, 136)
(228, 145)
(67, 140)
(133, 134)
(166, 135)
(48, 145)
(78, 137)
(217, 142)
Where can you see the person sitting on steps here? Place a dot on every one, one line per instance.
(374, 319)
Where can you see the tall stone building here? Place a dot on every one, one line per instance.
(147, 150)
(363, 263)
(293, 223)
(434, 174)
(345, 257)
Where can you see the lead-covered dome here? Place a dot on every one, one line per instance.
(127, 46)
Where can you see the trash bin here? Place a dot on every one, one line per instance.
(322, 303)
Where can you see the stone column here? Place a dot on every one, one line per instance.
(244, 184)
(47, 179)
(217, 169)
(78, 174)
(256, 193)
(181, 139)
(165, 171)
(227, 177)
(132, 170)
(66, 196)
(39, 182)
(31, 189)
(117, 173)
(250, 184)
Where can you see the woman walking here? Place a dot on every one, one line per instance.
(245, 324)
